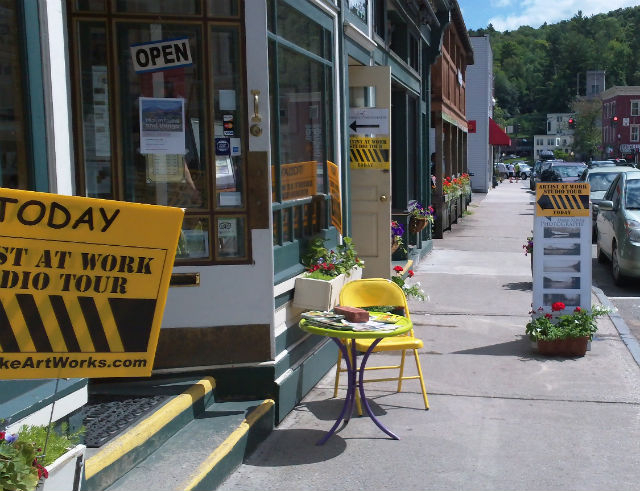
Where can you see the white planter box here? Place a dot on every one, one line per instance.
(65, 473)
(315, 294)
(355, 274)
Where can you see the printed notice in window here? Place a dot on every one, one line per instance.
(162, 129)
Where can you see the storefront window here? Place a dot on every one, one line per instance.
(14, 166)
(301, 84)
(165, 123)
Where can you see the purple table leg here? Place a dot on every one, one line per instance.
(363, 397)
(352, 372)
(351, 392)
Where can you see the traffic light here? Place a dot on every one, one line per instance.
(572, 123)
(614, 121)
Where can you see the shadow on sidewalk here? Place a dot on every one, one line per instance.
(520, 348)
(523, 286)
(277, 450)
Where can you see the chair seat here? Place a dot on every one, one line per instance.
(390, 344)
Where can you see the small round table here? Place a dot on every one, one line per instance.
(402, 325)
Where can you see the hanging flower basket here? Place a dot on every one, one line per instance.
(395, 245)
(416, 224)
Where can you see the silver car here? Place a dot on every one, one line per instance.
(618, 226)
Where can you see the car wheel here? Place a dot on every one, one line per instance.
(618, 277)
(599, 253)
(523, 175)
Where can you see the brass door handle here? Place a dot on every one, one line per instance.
(256, 118)
(383, 198)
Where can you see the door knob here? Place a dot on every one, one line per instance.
(383, 198)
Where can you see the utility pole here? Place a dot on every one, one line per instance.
(578, 84)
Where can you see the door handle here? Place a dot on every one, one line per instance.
(383, 198)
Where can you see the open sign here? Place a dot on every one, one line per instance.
(161, 55)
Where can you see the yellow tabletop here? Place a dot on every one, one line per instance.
(402, 325)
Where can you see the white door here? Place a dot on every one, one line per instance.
(370, 183)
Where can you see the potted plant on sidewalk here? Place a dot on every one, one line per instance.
(327, 272)
(557, 333)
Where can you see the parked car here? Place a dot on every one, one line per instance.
(618, 226)
(524, 170)
(600, 178)
(600, 163)
(502, 170)
(556, 171)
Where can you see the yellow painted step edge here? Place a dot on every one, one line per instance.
(148, 427)
(227, 446)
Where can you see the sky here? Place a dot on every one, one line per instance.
(511, 14)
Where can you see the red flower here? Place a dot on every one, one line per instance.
(558, 306)
(410, 273)
(397, 269)
(2, 433)
(577, 309)
(548, 316)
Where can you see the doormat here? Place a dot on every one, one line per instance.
(105, 417)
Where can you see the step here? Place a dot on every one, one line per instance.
(186, 400)
(206, 451)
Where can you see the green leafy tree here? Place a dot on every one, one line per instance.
(588, 134)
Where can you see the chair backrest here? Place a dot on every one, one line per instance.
(372, 292)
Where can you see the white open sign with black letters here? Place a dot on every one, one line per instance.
(161, 55)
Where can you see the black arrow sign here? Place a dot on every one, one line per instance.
(354, 126)
(545, 202)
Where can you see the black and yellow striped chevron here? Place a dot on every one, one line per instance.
(369, 157)
(564, 202)
(57, 324)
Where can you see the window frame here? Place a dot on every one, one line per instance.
(636, 103)
(288, 253)
(111, 19)
(635, 127)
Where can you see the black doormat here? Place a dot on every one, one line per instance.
(106, 416)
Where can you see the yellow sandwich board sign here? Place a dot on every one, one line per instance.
(83, 284)
(562, 199)
(369, 152)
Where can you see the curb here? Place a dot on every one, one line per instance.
(230, 454)
(621, 326)
(124, 452)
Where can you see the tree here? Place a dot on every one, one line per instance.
(588, 133)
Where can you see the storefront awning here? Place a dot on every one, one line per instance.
(497, 136)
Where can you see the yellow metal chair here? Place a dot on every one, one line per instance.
(373, 292)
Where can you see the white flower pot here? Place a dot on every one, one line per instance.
(354, 274)
(62, 471)
(315, 294)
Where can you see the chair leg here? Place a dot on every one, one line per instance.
(401, 371)
(335, 385)
(424, 391)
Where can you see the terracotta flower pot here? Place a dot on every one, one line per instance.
(395, 245)
(416, 224)
(564, 347)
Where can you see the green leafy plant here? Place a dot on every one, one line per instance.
(549, 326)
(21, 465)
(410, 290)
(324, 264)
(59, 442)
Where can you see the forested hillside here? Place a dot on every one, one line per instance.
(537, 71)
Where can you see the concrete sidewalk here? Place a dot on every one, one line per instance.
(501, 417)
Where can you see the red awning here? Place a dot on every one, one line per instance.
(497, 136)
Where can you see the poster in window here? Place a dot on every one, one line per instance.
(228, 236)
(100, 111)
(162, 128)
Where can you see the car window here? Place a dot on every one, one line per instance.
(601, 181)
(615, 193)
(568, 170)
(632, 196)
(609, 192)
